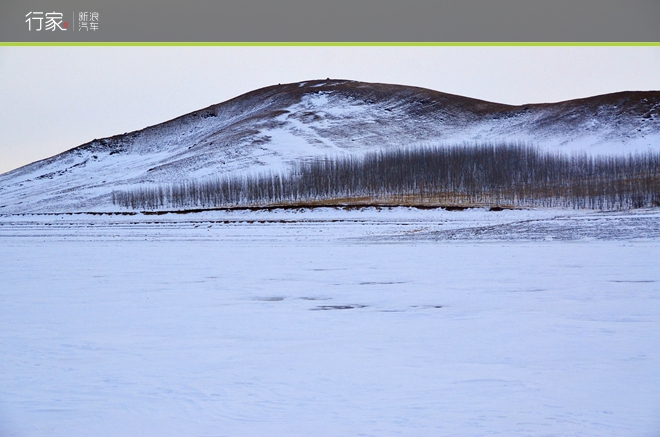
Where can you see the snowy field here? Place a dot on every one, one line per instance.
(327, 322)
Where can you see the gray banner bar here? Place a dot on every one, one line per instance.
(330, 21)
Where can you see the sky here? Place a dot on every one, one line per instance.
(55, 98)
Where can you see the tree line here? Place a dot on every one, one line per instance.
(516, 175)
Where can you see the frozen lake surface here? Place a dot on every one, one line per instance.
(331, 323)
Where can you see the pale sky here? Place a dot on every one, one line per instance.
(56, 98)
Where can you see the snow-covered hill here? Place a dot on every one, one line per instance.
(270, 127)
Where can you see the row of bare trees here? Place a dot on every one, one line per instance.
(486, 174)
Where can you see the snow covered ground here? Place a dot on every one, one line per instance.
(329, 322)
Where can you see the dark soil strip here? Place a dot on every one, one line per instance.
(346, 207)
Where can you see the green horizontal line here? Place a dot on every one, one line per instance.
(337, 44)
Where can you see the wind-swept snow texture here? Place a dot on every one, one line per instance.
(331, 323)
(268, 128)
